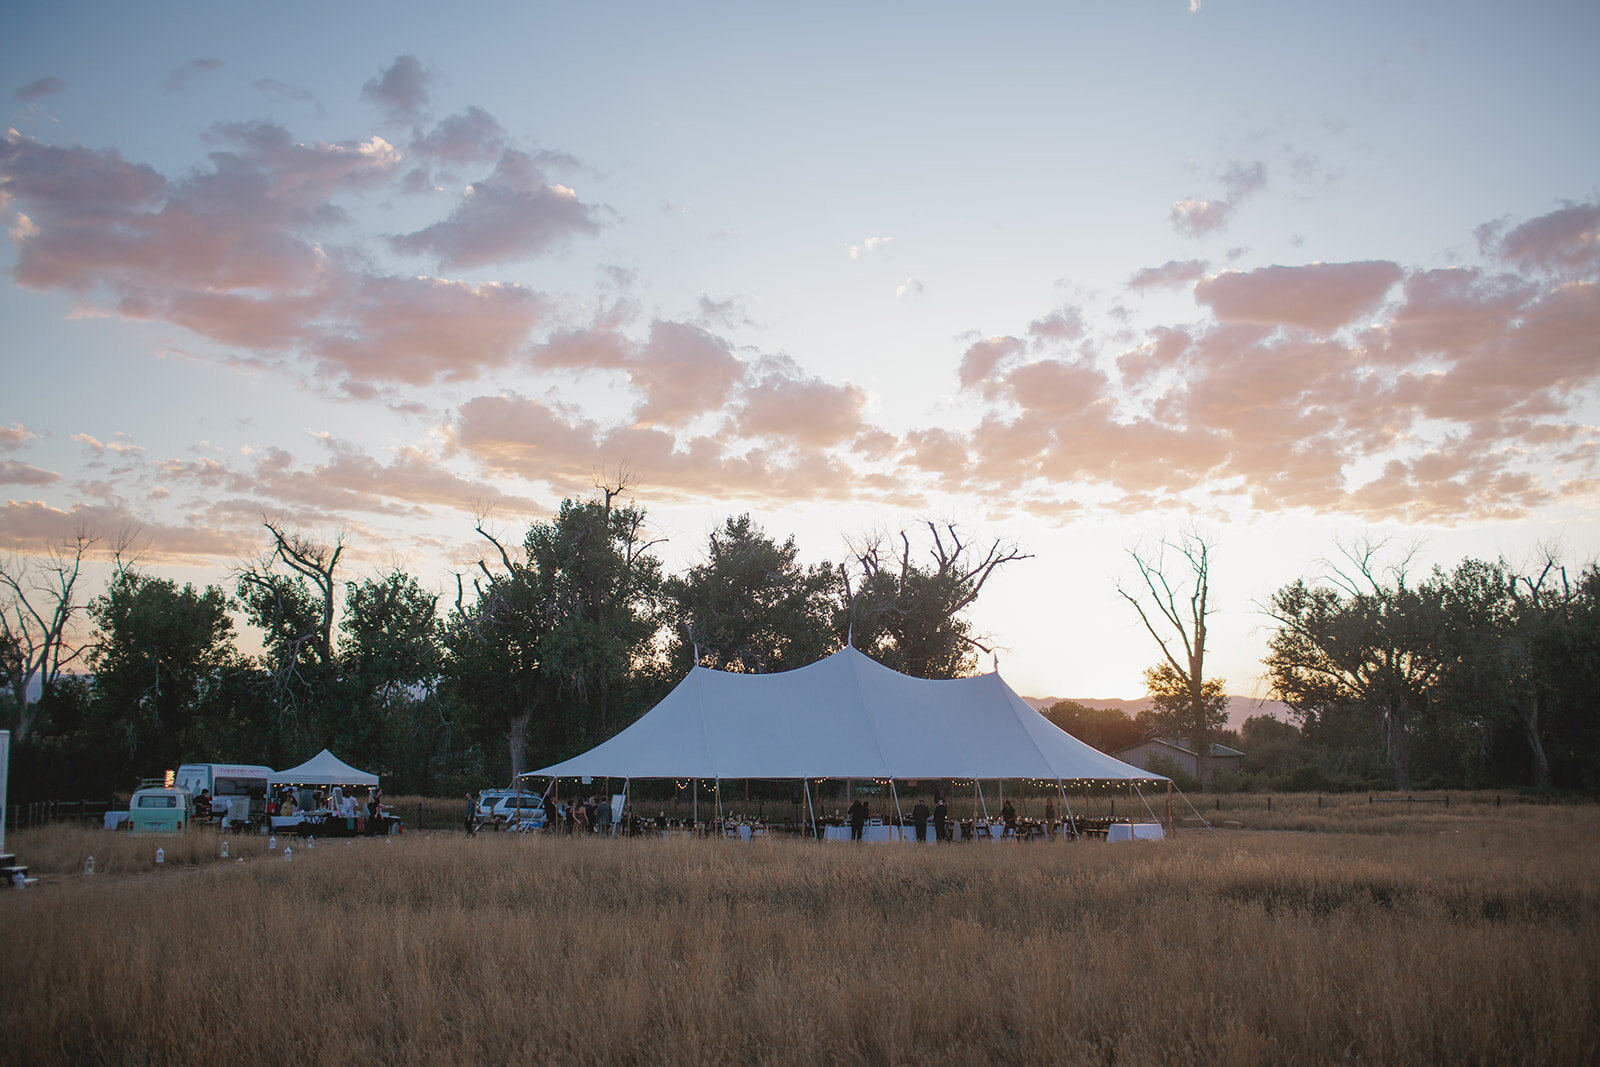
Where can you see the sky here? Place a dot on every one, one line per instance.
(1078, 277)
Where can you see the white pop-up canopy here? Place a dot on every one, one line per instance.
(323, 769)
(846, 716)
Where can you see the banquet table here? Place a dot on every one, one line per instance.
(1139, 831)
(875, 833)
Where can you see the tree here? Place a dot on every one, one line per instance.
(912, 617)
(295, 611)
(390, 660)
(159, 652)
(1106, 729)
(1186, 701)
(750, 606)
(37, 605)
(1365, 640)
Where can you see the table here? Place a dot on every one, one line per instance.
(1139, 831)
(876, 833)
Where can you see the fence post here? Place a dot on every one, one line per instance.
(1269, 803)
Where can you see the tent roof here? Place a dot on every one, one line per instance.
(323, 769)
(846, 716)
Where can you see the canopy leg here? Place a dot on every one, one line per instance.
(811, 815)
(899, 818)
(1069, 826)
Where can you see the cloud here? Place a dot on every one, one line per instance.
(15, 473)
(178, 79)
(470, 137)
(289, 92)
(513, 214)
(909, 287)
(32, 526)
(868, 245)
(39, 89)
(1564, 240)
(727, 314)
(1170, 275)
(982, 359)
(1195, 218)
(804, 410)
(1242, 180)
(1320, 296)
(683, 372)
(14, 436)
(400, 90)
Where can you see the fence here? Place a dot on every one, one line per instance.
(39, 812)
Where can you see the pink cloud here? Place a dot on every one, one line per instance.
(1169, 275)
(808, 411)
(15, 473)
(513, 214)
(1564, 240)
(14, 436)
(1319, 296)
(470, 137)
(1194, 217)
(401, 89)
(979, 362)
(683, 371)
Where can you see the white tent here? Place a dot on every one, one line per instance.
(323, 769)
(846, 716)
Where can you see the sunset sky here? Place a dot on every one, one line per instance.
(1076, 275)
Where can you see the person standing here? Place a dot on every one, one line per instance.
(1008, 815)
(941, 819)
(858, 819)
(472, 815)
(919, 817)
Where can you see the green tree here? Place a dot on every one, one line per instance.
(1366, 640)
(159, 653)
(750, 606)
(38, 603)
(1106, 729)
(912, 617)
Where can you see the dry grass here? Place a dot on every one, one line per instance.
(1477, 944)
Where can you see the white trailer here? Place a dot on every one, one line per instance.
(238, 790)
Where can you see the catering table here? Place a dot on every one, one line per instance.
(875, 833)
(1139, 831)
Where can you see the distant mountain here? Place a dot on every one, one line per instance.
(1239, 708)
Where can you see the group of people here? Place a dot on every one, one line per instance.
(334, 802)
(921, 815)
(940, 817)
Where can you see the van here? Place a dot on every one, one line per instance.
(238, 790)
(160, 809)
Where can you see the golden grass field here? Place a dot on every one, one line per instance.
(1394, 935)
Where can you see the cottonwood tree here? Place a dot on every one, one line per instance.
(295, 611)
(1364, 637)
(389, 662)
(1173, 601)
(910, 615)
(750, 606)
(38, 602)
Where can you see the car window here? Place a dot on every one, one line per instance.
(158, 801)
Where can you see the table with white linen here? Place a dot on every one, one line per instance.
(875, 833)
(1139, 831)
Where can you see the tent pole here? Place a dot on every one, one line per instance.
(1171, 826)
(985, 803)
(695, 809)
(627, 803)
(898, 817)
(717, 782)
(811, 816)
(1066, 811)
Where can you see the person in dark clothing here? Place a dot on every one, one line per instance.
(1008, 815)
(858, 819)
(472, 815)
(552, 817)
(374, 806)
(1050, 819)
(941, 820)
(919, 817)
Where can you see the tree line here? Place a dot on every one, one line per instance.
(1486, 675)
(541, 649)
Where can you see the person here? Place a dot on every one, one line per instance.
(569, 816)
(1050, 819)
(1008, 815)
(552, 817)
(374, 805)
(919, 816)
(604, 814)
(472, 815)
(858, 820)
(288, 807)
(941, 819)
(202, 805)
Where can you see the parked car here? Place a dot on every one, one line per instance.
(487, 798)
(522, 811)
(160, 810)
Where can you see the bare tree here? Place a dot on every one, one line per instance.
(37, 606)
(1174, 604)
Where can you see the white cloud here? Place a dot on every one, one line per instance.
(868, 245)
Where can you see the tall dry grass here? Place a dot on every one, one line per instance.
(1478, 944)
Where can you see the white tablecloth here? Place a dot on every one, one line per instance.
(1139, 831)
(114, 819)
(875, 833)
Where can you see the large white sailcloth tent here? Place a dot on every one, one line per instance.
(845, 716)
